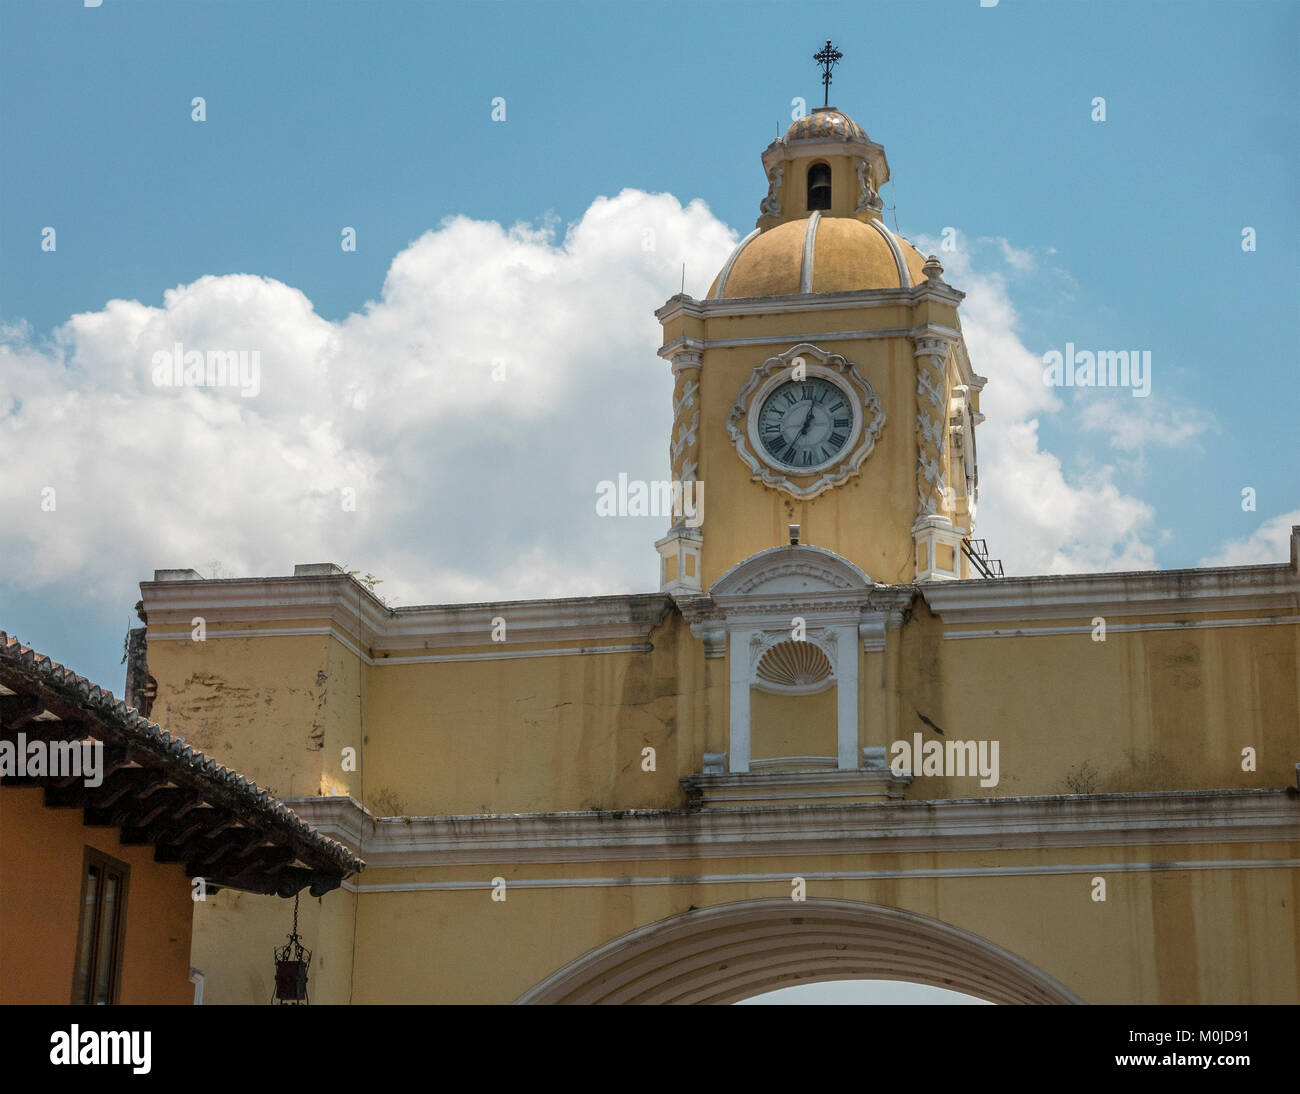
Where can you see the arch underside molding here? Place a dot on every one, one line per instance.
(734, 951)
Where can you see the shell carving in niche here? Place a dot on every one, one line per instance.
(794, 665)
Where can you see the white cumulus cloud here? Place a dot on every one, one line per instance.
(1270, 542)
(1035, 517)
(471, 410)
(1133, 424)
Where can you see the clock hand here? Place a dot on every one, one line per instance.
(807, 421)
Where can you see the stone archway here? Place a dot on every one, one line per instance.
(734, 951)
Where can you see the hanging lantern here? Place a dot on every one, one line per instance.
(291, 962)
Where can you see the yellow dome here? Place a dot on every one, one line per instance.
(819, 254)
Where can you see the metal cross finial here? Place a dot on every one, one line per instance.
(827, 58)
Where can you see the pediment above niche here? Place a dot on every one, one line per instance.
(791, 571)
(794, 579)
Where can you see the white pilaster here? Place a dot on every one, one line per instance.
(738, 751)
(846, 692)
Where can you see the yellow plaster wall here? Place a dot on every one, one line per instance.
(341, 722)
(539, 734)
(868, 520)
(1191, 936)
(258, 705)
(236, 935)
(792, 725)
(1144, 710)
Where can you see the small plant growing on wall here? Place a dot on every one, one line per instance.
(368, 580)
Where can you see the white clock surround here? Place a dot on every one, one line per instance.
(743, 420)
(816, 377)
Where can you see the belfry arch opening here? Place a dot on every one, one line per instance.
(819, 186)
(735, 951)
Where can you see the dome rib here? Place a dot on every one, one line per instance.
(809, 252)
(720, 290)
(904, 277)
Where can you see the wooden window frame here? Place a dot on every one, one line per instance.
(94, 857)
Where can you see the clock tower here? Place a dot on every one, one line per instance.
(823, 382)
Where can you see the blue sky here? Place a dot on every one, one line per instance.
(1117, 234)
(377, 116)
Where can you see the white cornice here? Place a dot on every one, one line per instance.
(357, 615)
(786, 338)
(972, 824)
(933, 338)
(680, 348)
(971, 870)
(1079, 596)
(680, 305)
(1120, 628)
(502, 652)
(822, 785)
(871, 607)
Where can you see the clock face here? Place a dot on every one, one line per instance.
(805, 424)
